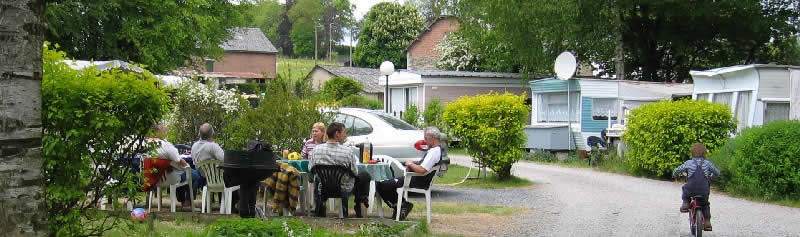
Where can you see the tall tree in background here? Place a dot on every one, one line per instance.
(661, 40)
(330, 17)
(389, 28)
(266, 15)
(160, 34)
(24, 211)
(432, 9)
(285, 30)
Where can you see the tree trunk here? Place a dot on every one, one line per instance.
(619, 51)
(22, 202)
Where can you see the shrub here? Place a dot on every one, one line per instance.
(764, 162)
(432, 115)
(247, 88)
(659, 135)
(360, 102)
(411, 116)
(282, 119)
(490, 127)
(92, 120)
(197, 103)
(339, 87)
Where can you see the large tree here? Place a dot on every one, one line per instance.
(432, 9)
(661, 40)
(266, 15)
(160, 34)
(389, 28)
(329, 17)
(21, 189)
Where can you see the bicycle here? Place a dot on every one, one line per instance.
(697, 220)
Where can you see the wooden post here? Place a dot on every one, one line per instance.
(22, 208)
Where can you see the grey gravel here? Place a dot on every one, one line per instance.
(584, 202)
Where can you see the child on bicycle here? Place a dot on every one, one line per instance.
(697, 183)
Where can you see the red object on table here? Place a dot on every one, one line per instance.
(372, 162)
(421, 145)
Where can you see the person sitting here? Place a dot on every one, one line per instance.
(698, 181)
(317, 137)
(388, 188)
(334, 153)
(165, 150)
(207, 149)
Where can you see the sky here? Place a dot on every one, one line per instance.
(363, 6)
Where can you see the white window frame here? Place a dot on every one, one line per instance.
(614, 109)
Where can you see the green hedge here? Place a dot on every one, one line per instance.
(338, 88)
(490, 127)
(659, 135)
(91, 120)
(360, 102)
(411, 116)
(764, 162)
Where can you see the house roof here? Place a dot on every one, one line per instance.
(428, 28)
(444, 73)
(368, 77)
(248, 40)
(725, 70)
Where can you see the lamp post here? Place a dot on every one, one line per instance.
(387, 68)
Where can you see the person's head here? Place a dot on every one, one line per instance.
(318, 132)
(159, 130)
(336, 132)
(432, 136)
(698, 150)
(207, 132)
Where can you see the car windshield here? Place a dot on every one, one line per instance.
(396, 123)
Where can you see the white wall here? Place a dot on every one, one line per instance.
(599, 88)
(794, 97)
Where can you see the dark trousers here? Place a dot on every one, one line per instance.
(686, 195)
(197, 183)
(388, 190)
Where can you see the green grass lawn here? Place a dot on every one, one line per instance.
(296, 68)
(456, 173)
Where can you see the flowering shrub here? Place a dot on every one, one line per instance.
(456, 54)
(490, 126)
(197, 103)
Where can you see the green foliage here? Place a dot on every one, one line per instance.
(92, 121)
(331, 17)
(659, 135)
(411, 116)
(360, 102)
(241, 227)
(661, 39)
(161, 34)
(247, 88)
(282, 119)
(197, 103)
(339, 87)
(763, 162)
(266, 15)
(389, 28)
(490, 126)
(541, 155)
(456, 173)
(433, 113)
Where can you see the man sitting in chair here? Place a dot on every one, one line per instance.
(388, 188)
(334, 153)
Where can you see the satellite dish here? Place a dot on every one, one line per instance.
(565, 66)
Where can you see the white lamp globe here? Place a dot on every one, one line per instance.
(387, 68)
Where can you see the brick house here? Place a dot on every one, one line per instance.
(249, 57)
(367, 77)
(421, 54)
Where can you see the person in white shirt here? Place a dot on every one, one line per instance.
(207, 149)
(167, 150)
(388, 188)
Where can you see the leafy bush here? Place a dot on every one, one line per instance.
(659, 135)
(92, 121)
(197, 103)
(540, 155)
(360, 102)
(411, 116)
(433, 113)
(338, 88)
(764, 162)
(247, 88)
(490, 127)
(282, 119)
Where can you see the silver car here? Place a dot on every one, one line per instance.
(389, 136)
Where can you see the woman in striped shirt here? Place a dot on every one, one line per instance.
(317, 137)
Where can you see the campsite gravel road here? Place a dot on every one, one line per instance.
(583, 202)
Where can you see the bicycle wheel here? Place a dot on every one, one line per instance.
(698, 223)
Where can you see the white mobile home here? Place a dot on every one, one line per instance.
(757, 94)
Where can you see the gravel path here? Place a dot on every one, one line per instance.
(583, 202)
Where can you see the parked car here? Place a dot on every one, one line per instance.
(389, 135)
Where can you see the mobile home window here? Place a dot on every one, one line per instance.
(703, 97)
(553, 107)
(602, 106)
(742, 109)
(776, 111)
(723, 98)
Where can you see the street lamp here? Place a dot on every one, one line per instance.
(387, 68)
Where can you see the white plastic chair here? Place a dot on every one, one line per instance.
(215, 184)
(173, 198)
(403, 192)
